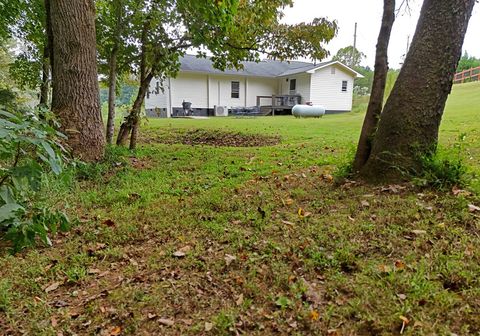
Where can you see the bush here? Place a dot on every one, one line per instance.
(30, 149)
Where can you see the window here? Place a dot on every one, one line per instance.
(332, 70)
(235, 89)
(293, 84)
(344, 86)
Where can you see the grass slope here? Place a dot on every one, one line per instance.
(187, 240)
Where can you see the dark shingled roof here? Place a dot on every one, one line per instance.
(267, 68)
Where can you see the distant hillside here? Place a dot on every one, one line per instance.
(124, 98)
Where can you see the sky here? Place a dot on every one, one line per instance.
(368, 15)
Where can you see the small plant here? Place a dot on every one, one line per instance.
(5, 296)
(443, 169)
(29, 150)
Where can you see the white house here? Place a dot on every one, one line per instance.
(329, 84)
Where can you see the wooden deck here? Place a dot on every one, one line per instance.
(278, 102)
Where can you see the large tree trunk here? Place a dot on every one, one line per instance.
(45, 87)
(112, 82)
(410, 120)
(375, 103)
(75, 98)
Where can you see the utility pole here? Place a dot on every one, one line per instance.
(354, 46)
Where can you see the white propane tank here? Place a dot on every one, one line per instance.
(308, 111)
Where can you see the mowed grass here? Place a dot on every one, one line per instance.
(201, 240)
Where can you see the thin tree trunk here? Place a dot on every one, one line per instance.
(112, 82)
(410, 120)
(375, 103)
(45, 86)
(131, 123)
(48, 26)
(75, 98)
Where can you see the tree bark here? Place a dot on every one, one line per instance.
(75, 98)
(408, 127)
(131, 123)
(112, 83)
(375, 103)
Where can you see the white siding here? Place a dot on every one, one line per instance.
(260, 87)
(220, 91)
(160, 100)
(326, 89)
(189, 87)
(302, 86)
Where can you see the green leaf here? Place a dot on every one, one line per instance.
(9, 210)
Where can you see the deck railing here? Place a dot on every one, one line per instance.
(469, 75)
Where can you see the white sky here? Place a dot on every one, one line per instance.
(368, 14)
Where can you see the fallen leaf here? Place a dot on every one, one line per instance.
(294, 324)
(54, 321)
(108, 222)
(473, 208)
(115, 331)
(384, 268)
(327, 177)
(300, 212)
(332, 332)
(182, 252)
(239, 300)
(187, 321)
(208, 326)
(289, 201)
(166, 322)
(312, 294)
(402, 296)
(419, 232)
(400, 265)
(460, 192)
(314, 315)
(288, 223)
(52, 287)
(229, 259)
(151, 316)
(418, 324)
(94, 271)
(365, 203)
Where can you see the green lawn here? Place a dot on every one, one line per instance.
(187, 240)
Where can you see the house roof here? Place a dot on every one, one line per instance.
(267, 68)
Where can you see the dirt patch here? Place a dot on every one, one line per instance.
(219, 139)
(140, 163)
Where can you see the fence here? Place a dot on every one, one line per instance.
(469, 75)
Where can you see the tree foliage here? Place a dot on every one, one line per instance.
(350, 56)
(467, 62)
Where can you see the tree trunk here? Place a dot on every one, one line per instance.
(112, 82)
(45, 86)
(375, 103)
(408, 127)
(75, 98)
(130, 125)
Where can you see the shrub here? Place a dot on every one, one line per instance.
(30, 149)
